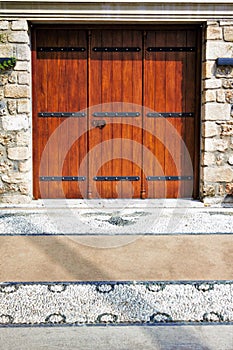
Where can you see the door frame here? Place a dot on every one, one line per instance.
(197, 126)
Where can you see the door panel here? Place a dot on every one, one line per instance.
(115, 86)
(61, 87)
(169, 64)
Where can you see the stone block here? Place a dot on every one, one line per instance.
(220, 160)
(23, 138)
(208, 69)
(14, 177)
(229, 189)
(19, 25)
(229, 96)
(208, 159)
(228, 83)
(25, 166)
(230, 160)
(6, 50)
(18, 153)
(15, 123)
(23, 52)
(12, 78)
(218, 174)
(24, 78)
(209, 129)
(24, 188)
(17, 91)
(228, 33)
(23, 106)
(22, 66)
(214, 32)
(4, 25)
(215, 49)
(212, 145)
(212, 83)
(209, 191)
(221, 145)
(216, 111)
(6, 139)
(220, 96)
(3, 79)
(11, 105)
(15, 199)
(209, 96)
(6, 166)
(226, 130)
(18, 37)
(226, 23)
(224, 72)
(3, 38)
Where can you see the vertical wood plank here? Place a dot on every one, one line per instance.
(59, 75)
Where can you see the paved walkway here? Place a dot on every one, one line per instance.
(118, 338)
(116, 217)
(192, 221)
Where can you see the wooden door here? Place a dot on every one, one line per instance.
(115, 113)
(60, 120)
(115, 99)
(170, 112)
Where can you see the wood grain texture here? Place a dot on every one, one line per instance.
(116, 82)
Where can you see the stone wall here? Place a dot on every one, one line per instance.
(217, 112)
(15, 129)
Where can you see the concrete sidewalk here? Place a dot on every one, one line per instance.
(118, 338)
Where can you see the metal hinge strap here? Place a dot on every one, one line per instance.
(116, 49)
(61, 49)
(116, 178)
(62, 178)
(116, 114)
(62, 114)
(169, 178)
(170, 115)
(171, 49)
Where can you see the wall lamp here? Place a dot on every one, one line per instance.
(224, 61)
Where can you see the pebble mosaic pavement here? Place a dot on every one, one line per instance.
(80, 303)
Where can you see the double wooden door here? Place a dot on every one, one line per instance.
(115, 113)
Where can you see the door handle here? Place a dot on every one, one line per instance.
(99, 123)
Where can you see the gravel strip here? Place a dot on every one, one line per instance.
(130, 221)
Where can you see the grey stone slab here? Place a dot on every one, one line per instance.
(119, 338)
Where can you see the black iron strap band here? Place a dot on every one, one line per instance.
(62, 114)
(116, 178)
(171, 49)
(169, 178)
(61, 49)
(116, 49)
(116, 114)
(62, 178)
(170, 115)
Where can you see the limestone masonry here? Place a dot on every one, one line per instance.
(217, 111)
(15, 114)
(216, 174)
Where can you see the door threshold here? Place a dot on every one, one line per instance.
(108, 203)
